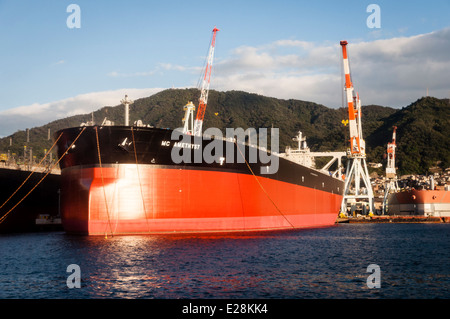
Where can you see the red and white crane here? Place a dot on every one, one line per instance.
(390, 166)
(391, 173)
(357, 143)
(203, 100)
(357, 188)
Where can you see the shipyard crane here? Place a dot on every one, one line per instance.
(391, 173)
(390, 166)
(356, 164)
(203, 100)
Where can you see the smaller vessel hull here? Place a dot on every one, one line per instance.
(420, 202)
(144, 199)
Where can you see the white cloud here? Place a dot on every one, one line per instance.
(116, 74)
(293, 43)
(283, 69)
(170, 66)
(37, 114)
(397, 71)
(392, 72)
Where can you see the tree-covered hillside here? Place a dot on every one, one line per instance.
(422, 136)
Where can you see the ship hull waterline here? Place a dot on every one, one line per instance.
(143, 194)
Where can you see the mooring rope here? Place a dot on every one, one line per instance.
(259, 183)
(32, 172)
(49, 171)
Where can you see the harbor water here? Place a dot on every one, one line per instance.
(322, 263)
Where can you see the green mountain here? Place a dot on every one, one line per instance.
(422, 136)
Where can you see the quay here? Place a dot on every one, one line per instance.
(394, 219)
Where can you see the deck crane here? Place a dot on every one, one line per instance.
(203, 100)
(205, 87)
(356, 164)
(391, 174)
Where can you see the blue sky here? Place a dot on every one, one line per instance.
(149, 45)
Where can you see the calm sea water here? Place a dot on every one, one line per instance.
(326, 263)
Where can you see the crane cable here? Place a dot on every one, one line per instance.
(2, 219)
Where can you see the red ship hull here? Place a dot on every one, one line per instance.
(146, 199)
(420, 202)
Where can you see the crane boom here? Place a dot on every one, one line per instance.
(357, 144)
(203, 100)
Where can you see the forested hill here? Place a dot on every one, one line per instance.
(422, 136)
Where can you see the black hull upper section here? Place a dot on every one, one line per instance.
(153, 146)
(42, 200)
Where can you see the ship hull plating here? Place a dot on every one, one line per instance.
(147, 193)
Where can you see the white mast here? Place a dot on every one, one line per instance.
(127, 103)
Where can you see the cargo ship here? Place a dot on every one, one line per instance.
(118, 180)
(130, 180)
